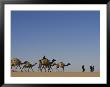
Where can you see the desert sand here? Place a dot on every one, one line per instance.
(55, 74)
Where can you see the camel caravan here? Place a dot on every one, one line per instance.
(44, 64)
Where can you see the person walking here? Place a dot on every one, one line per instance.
(91, 68)
(83, 68)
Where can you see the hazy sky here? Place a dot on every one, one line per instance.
(68, 36)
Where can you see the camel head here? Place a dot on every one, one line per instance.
(26, 62)
(53, 60)
(35, 63)
(68, 63)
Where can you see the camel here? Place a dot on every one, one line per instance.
(61, 65)
(15, 62)
(42, 62)
(50, 65)
(45, 63)
(29, 66)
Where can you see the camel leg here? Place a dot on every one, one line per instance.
(22, 70)
(57, 69)
(63, 69)
(19, 67)
(32, 69)
(40, 69)
(28, 69)
(45, 69)
(16, 66)
(48, 69)
(51, 68)
(25, 69)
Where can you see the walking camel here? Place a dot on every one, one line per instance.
(45, 63)
(50, 65)
(15, 62)
(61, 65)
(29, 66)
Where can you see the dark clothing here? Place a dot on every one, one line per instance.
(92, 68)
(44, 57)
(83, 68)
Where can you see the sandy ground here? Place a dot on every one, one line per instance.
(55, 74)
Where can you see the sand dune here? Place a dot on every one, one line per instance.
(55, 74)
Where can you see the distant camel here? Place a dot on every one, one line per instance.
(61, 65)
(50, 65)
(15, 62)
(29, 66)
(45, 63)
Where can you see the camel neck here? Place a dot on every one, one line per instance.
(66, 65)
(34, 64)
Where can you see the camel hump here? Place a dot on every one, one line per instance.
(61, 64)
(28, 64)
(44, 61)
(15, 60)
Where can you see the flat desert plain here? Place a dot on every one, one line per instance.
(55, 74)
